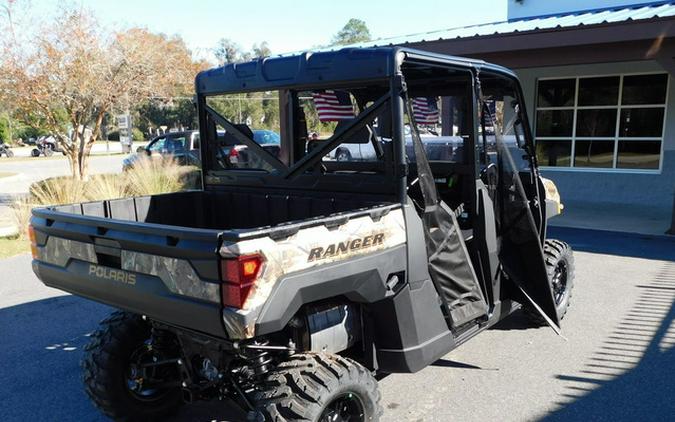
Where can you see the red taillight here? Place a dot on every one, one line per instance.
(234, 152)
(239, 275)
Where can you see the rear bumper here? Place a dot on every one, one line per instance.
(146, 295)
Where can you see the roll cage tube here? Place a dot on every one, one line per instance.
(243, 138)
(521, 114)
(315, 155)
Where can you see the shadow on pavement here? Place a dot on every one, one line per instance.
(631, 376)
(616, 243)
(42, 343)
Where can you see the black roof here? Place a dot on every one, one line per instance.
(314, 69)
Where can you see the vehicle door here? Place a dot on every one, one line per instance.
(156, 148)
(506, 155)
(176, 146)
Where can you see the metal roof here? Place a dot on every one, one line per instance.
(538, 23)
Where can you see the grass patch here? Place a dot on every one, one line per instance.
(13, 246)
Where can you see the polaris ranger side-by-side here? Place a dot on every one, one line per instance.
(292, 279)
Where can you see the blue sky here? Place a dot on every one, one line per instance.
(286, 25)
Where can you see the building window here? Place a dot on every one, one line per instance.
(602, 122)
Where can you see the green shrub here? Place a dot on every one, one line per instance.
(137, 135)
(4, 131)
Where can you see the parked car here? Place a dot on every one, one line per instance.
(182, 146)
(236, 154)
(436, 147)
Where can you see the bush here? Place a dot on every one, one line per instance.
(137, 135)
(21, 211)
(147, 177)
(155, 176)
(4, 131)
(107, 186)
(58, 191)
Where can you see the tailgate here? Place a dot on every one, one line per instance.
(165, 272)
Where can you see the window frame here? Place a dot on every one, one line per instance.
(616, 138)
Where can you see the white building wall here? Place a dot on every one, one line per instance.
(526, 8)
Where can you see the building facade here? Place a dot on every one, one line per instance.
(597, 79)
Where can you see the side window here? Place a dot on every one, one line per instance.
(504, 117)
(255, 116)
(174, 145)
(329, 111)
(157, 146)
(195, 142)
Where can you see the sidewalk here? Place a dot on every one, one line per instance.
(633, 218)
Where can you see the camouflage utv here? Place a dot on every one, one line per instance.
(292, 280)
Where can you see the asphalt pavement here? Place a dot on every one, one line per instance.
(615, 363)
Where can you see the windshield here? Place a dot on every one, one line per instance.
(169, 144)
(266, 137)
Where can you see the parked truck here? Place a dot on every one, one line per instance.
(293, 281)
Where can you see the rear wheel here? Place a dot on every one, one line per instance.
(318, 387)
(560, 268)
(119, 375)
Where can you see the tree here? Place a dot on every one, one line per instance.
(74, 74)
(262, 50)
(228, 51)
(354, 31)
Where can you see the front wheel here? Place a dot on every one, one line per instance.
(121, 376)
(318, 387)
(560, 269)
(35, 152)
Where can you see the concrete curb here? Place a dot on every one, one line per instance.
(11, 178)
(9, 231)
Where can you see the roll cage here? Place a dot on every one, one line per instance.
(388, 68)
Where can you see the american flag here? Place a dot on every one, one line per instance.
(333, 105)
(425, 110)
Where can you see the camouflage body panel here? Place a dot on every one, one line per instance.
(177, 274)
(58, 251)
(306, 249)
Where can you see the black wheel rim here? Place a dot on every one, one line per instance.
(559, 282)
(143, 380)
(343, 408)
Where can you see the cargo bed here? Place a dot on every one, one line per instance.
(158, 255)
